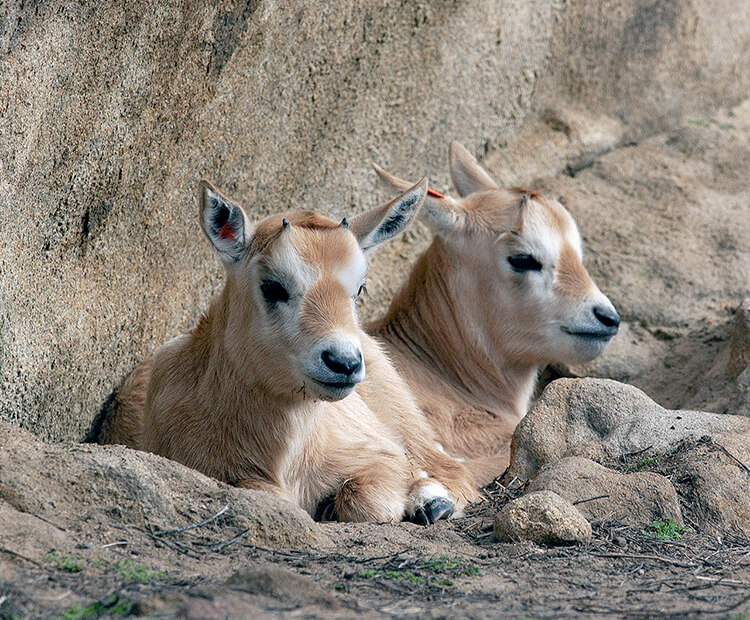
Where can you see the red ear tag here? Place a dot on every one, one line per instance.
(432, 192)
(226, 232)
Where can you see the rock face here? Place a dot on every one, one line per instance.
(47, 491)
(706, 456)
(110, 114)
(542, 517)
(635, 499)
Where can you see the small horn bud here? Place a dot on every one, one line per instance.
(345, 223)
(285, 223)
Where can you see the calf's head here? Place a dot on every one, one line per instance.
(516, 258)
(292, 284)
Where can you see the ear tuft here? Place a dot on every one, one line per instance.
(223, 222)
(380, 224)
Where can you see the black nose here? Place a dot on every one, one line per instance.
(342, 364)
(607, 316)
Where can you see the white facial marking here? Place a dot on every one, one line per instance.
(547, 241)
(352, 275)
(286, 260)
(573, 235)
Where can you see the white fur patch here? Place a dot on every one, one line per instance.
(441, 449)
(287, 261)
(426, 493)
(574, 236)
(352, 275)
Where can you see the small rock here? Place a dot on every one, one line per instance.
(620, 541)
(635, 499)
(542, 517)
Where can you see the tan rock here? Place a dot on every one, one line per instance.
(64, 484)
(602, 420)
(599, 493)
(542, 517)
(715, 477)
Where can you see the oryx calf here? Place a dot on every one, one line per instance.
(501, 291)
(278, 389)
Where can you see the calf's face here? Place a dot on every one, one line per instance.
(516, 261)
(294, 282)
(536, 280)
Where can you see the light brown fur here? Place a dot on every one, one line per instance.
(467, 332)
(227, 398)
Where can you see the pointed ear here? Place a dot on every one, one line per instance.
(380, 224)
(224, 223)
(442, 214)
(466, 173)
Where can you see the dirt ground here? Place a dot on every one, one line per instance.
(452, 569)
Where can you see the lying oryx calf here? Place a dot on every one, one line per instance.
(278, 389)
(501, 291)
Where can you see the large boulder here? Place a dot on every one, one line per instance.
(111, 112)
(49, 492)
(603, 420)
(600, 493)
(706, 455)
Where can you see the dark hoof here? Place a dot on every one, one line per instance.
(326, 510)
(420, 517)
(434, 510)
(438, 508)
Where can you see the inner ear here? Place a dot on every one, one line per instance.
(380, 224)
(224, 223)
(443, 214)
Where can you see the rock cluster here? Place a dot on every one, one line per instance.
(589, 440)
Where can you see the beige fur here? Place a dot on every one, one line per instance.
(468, 332)
(238, 397)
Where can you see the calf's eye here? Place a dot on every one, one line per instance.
(524, 262)
(273, 291)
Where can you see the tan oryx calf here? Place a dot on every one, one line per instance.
(277, 388)
(500, 291)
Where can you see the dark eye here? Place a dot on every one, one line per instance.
(273, 291)
(362, 289)
(524, 262)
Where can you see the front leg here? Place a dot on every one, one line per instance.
(428, 501)
(441, 489)
(373, 493)
(441, 486)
